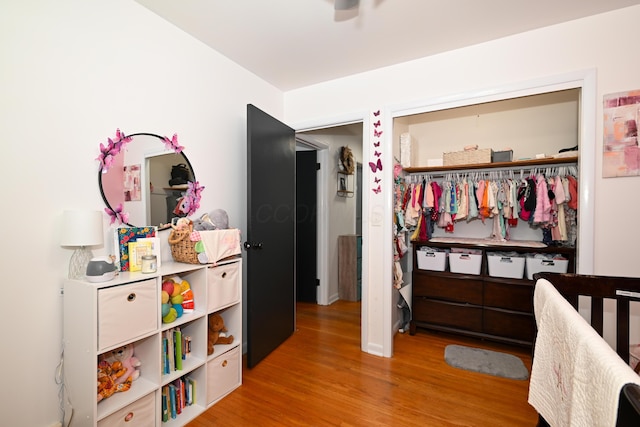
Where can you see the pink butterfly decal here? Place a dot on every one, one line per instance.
(113, 147)
(377, 154)
(172, 144)
(376, 113)
(117, 214)
(376, 144)
(377, 190)
(375, 166)
(376, 124)
(377, 180)
(376, 133)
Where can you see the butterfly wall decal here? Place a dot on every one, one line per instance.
(376, 190)
(375, 166)
(376, 144)
(376, 124)
(377, 154)
(117, 214)
(377, 180)
(376, 113)
(377, 134)
(172, 144)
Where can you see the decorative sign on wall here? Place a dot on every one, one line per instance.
(621, 156)
(376, 162)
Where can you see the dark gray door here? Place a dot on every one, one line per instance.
(270, 245)
(306, 226)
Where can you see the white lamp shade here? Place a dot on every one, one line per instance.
(81, 228)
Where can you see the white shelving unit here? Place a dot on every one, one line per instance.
(100, 317)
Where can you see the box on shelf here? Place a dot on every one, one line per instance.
(431, 259)
(537, 263)
(506, 264)
(502, 156)
(467, 157)
(465, 263)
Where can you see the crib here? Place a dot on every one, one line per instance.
(599, 288)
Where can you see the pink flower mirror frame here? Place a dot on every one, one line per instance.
(129, 164)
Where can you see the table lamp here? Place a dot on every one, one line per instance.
(81, 229)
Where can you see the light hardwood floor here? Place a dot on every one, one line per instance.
(320, 377)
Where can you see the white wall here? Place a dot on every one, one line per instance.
(603, 42)
(72, 72)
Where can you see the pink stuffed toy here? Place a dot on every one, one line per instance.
(130, 363)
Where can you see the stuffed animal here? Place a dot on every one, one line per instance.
(129, 363)
(217, 332)
(108, 374)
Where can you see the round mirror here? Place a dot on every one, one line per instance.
(143, 178)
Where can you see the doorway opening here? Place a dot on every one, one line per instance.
(336, 215)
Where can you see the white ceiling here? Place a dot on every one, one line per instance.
(296, 43)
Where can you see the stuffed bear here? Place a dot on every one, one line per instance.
(217, 333)
(130, 363)
(108, 374)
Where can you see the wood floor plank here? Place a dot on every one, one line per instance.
(320, 377)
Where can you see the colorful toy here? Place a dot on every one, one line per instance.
(108, 373)
(124, 356)
(217, 332)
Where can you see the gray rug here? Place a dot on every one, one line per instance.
(486, 362)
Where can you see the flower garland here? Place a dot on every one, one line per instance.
(188, 204)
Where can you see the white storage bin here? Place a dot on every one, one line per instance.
(432, 260)
(509, 266)
(551, 265)
(223, 374)
(126, 312)
(223, 285)
(140, 413)
(465, 263)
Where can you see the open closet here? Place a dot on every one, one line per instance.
(468, 236)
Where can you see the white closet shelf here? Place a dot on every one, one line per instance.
(519, 164)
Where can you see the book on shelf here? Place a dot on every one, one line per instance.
(125, 235)
(191, 382)
(172, 401)
(137, 250)
(177, 337)
(165, 403)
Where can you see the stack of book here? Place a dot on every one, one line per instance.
(176, 347)
(176, 396)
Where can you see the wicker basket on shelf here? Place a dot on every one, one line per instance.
(182, 247)
(467, 157)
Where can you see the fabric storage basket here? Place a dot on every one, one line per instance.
(508, 265)
(467, 157)
(182, 247)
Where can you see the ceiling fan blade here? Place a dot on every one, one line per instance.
(346, 4)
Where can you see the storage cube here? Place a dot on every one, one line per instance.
(223, 374)
(223, 285)
(465, 263)
(126, 312)
(432, 260)
(142, 412)
(501, 265)
(551, 265)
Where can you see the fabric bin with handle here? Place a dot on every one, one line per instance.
(465, 263)
(507, 265)
(551, 264)
(431, 259)
(126, 312)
